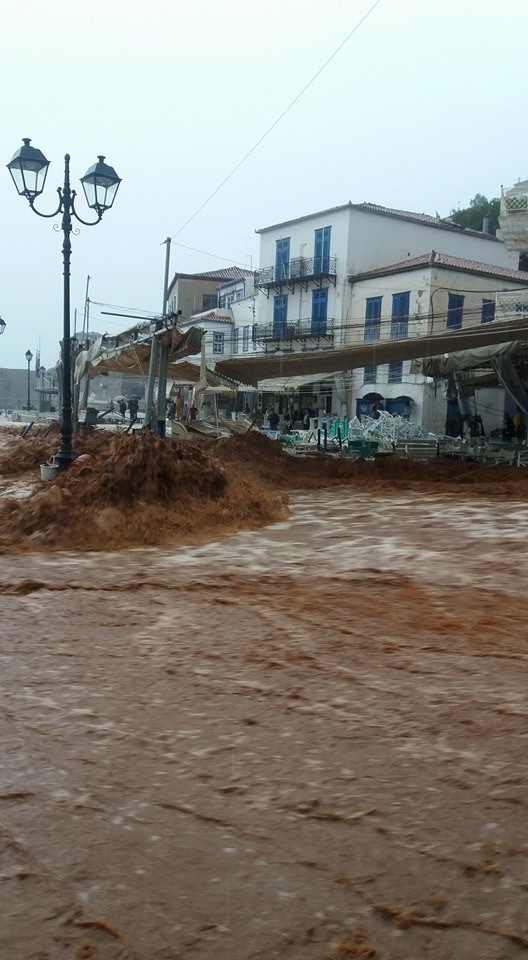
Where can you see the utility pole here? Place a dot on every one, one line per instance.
(157, 422)
(163, 354)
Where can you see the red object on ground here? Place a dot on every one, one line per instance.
(85, 460)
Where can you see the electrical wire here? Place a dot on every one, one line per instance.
(280, 117)
(215, 256)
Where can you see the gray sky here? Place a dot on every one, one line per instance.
(423, 107)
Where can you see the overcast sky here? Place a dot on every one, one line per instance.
(421, 108)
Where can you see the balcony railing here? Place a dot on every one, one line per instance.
(297, 330)
(297, 270)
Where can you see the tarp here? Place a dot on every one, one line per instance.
(510, 380)
(280, 384)
(185, 372)
(256, 368)
(133, 357)
(442, 366)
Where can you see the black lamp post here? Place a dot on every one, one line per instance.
(28, 169)
(3, 325)
(29, 358)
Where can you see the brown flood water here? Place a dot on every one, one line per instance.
(307, 742)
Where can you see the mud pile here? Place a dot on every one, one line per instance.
(134, 491)
(19, 454)
(138, 491)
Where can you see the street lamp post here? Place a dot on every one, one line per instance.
(29, 358)
(28, 169)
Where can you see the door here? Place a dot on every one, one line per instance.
(280, 316)
(319, 311)
(282, 259)
(322, 250)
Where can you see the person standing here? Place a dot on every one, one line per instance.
(273, 419)
(508, 429)
(133, 407)
(519, 424)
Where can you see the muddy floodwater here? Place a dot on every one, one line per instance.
(307, 742)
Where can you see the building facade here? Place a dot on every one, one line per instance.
(196, 293)
(421, 297)
(361, 272)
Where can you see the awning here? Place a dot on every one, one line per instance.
(253, 369)
(186, 372)
(442, 366)
(134, 357)
(281, 384)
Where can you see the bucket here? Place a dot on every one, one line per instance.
(49, 471)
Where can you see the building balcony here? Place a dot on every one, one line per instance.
(300, 334)
(300, 271)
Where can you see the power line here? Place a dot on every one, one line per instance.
(280, 117)
(215, 256)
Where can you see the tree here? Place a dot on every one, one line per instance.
(479, 208)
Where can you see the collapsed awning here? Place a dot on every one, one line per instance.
(133, 357)
(253, 369)
(442, 366)
(187, 373)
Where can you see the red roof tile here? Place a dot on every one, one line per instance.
(446, 260)
(227, 273)
(208, 316)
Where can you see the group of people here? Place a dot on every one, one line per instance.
(132, 405)
(293, 419)
(176, 407)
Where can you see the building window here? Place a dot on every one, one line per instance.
(322, 250)
(395, 371)
(400, 316)
(235, 340)
(399, 330)
(488, 311)
(319, 311)
(282, 259)
(218, 342)
(245, 339)
(372, 318)
(209, 301)
(455, 310)
(280, 315)
(370, 374)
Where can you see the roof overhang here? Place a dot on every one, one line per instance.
(253, 369)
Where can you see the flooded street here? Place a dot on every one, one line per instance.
(307, 741)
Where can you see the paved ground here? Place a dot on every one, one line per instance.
(307, 742)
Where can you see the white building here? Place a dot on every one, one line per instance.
(318, 273)
(420, 297)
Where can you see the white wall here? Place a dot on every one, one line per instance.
(378, 240)
(302, 235)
